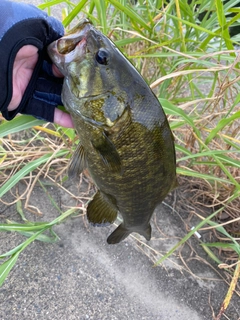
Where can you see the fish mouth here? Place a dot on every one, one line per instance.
(75, 36)
(64, 47)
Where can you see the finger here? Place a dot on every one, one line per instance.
(62, 118)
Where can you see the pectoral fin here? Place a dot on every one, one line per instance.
(101, 210)
(78, 162)
(108, 152)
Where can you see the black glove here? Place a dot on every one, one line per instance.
(22, 24)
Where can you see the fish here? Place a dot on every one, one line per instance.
(126, 143)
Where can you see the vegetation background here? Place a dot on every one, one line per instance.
(188, 52)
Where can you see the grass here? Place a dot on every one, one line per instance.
(192, 65)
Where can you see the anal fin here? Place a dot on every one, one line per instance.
(101, 210)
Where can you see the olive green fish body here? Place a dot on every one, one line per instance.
(125, 140)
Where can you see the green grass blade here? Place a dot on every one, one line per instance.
(229, 161)
(224, 169)
(236, 102)
(225, 233)
(193, 25)
(196, 174)
(74, 13)
(12, 251)
(7, 266)
(221, 125)
(210, 253)
(169, 108)
(223, 245)
(38, 226)
(41, 237)
(18, 227)
(52, 3)
(18, 124)
(182, 241)
(101, 10)
(223, 24)
(133, 15)
(219, 154)
(27, 169)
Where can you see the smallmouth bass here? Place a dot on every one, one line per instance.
(125, 139)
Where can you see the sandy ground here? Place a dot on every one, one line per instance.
(82, 277)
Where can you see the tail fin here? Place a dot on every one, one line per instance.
(121, 233)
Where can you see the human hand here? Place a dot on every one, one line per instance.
(23, 68)
(28, 82)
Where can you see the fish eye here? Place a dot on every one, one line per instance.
(102, 56)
